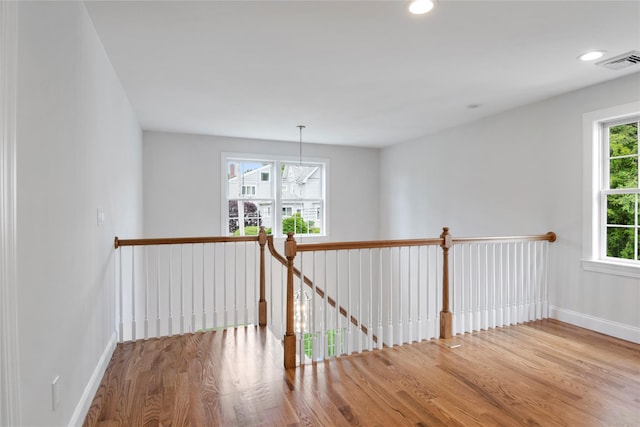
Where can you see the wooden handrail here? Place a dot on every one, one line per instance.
(182, 240)
(368, 244)
(549, 237)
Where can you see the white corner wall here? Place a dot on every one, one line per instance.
(79, 151)
(182, 188)
(519, 172)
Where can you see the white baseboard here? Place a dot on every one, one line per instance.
(94, 382)
(607, 327)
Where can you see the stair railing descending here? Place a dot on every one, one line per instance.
(401, 290)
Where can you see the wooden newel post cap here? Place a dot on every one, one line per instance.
(446, 238)
(262, 236)
(290, 246)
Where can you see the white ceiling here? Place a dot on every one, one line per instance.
(363, 73)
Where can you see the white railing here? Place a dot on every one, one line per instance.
(359, 299)
(498, 282)
(169, 287)
(356, 296)
(330, 299)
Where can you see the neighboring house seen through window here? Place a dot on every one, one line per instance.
(292, 202)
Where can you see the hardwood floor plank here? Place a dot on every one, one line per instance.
(543, 373)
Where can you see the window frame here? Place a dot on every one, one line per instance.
(596, 169)
(276, 183)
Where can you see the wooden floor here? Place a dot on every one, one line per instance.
(544, 373)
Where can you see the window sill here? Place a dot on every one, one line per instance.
(609, 267)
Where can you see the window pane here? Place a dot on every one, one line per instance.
(301, 182)
(301, 217)
(256, 213)
(620, 242)
(621, 209)
(246, 180)
(623, 172)
(623, 139)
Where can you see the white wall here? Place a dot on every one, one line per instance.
(182, 189)
(519, 172)
(79, 150)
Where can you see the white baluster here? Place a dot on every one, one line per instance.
(545, 286)
(419, 332)
(325, 320)
(500, 313)
(235, 285)
(192, 327)
(370, 290)
(380, 299)
(213, 284)
(400, 299)
(298, 324)
(246, 304)
(158, 330)
(256, 282)
(485, 308)
(145, 259)
(133, 294)
(390, 314)
(181, 289)
(204, 296)
(170, 324)
(339, 335)
(359, 306)
(409, 319)
(349, 339)
(429, 299)
(312, 320)
(224, 287)
(120, 296)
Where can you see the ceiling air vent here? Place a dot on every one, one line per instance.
(619, 62)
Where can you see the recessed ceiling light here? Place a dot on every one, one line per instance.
(591, 56)
(420, 7)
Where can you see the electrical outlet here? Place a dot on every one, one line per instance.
(55, 393)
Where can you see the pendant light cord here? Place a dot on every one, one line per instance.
(301, 127)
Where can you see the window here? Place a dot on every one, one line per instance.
(296, 197)
(248, 190)
(620, 191)
(612, 191)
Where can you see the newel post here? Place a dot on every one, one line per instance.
(446, 319)
(290, 335)
(262, 303)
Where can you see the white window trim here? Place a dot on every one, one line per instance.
(591, 204)
(277, 201)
